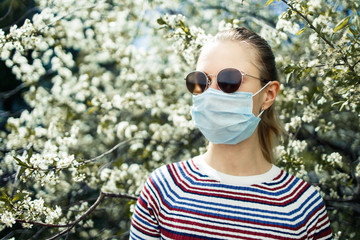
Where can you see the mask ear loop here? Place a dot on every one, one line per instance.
(261, 112)
(262, 107)
(261, 88)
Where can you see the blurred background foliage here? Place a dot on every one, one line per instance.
(11, 101)
(137, 96)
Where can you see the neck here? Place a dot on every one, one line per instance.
(242, 159)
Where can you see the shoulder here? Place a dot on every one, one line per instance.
(301, 190)
(170, 171)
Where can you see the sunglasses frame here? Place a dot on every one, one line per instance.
(208, 82)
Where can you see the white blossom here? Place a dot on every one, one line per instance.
(334, 159)
(7, 218)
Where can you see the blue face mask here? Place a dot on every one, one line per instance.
(225, 118)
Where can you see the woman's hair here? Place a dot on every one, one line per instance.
(270, 127)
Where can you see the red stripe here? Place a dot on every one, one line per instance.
(325, 233)
(281, 174)
(220, 218)
(153, 203)
(285, 200)
(195, 213)
(226, 231)
(325, 226)
(203, 230)
(193, 176)
(286, 184)
(171, 209)
(142, 228)
(170, 221)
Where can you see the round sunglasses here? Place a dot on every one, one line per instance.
(228, 79)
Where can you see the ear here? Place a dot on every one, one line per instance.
(270, 93)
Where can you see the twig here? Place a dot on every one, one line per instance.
(8, 12)
(83, 162)
(346, 200)
(43, 224)
(91, 209)
(68, 14)
(308, 22)
(107, 152)
(320, 35)
(4, 150)
(120, 195)
(21, 18)
(5, 95)
(356, 63)
(71, 225)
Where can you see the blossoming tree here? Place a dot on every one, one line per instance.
(108, 105)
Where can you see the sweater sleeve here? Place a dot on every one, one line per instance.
(322, 229)
(144, 222)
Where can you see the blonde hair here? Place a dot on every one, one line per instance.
(270, 128)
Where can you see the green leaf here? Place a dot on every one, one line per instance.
(183, 26)
(343, 105)
(288, 69)
(342, 24)
(161, 21)
(91, 110)
(20, 163)
(352, 31)
(18, 196)
(301, 31)
(30, 153)
(269, 2)
(3, 196)
(289, 76)
(22, 170)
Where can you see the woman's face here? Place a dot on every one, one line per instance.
(218, 55)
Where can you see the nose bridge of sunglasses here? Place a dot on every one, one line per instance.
(212, 81)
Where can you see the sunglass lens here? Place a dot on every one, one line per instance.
(229, 80)
(196, 82)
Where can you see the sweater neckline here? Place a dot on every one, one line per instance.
(204, 168)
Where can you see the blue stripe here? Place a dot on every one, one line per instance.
(274, 183)
(138, 218)
(134, 236)
(274, 230)
(236, 212)
(187, 235)
(194, 171)
(139, 208)
(236, 188)
(139, 230)
(247, 189)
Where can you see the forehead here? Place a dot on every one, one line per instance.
(217, 55)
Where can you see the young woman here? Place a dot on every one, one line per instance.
(233, 191)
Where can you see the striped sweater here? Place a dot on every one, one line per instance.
(190, 200)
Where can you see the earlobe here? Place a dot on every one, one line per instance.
(270, 93)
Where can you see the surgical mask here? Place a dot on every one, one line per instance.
(225, 118)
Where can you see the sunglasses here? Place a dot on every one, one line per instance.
(228, 80)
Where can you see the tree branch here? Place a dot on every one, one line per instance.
(120, 195)
(354, 199)
(5, 95)
(91, 209)
(356, 63)
(8, 12)
(343, 57)
(21, 18)
(68, 14)
(43, 224)
(107, 152)
(309, 22)
(71, 225)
